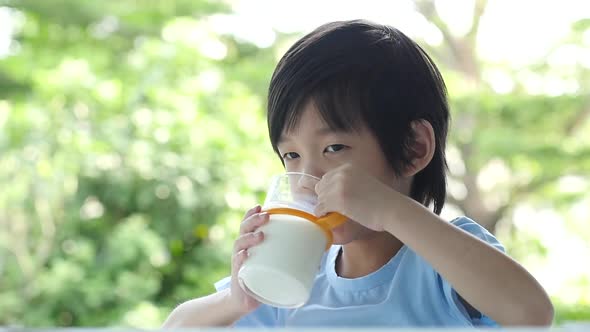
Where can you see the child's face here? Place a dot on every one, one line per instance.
(313, 148)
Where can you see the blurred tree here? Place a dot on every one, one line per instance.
(533, 140)
(132, 138)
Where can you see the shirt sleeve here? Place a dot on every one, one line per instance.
(263, 316)
(452, 297)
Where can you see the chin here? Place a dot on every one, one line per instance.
(348, 232)
(339, 235)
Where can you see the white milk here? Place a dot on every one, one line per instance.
(280, 271)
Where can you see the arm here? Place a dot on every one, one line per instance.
(212, 310)
(485, 278)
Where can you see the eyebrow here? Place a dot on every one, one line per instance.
(323, 131)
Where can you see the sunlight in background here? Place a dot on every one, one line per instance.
(6, 30)
(502, 36)
(521, 32)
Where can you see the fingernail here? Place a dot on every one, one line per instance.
(258, 234)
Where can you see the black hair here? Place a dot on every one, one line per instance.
(358, 72)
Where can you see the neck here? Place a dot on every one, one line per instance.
(364, 256)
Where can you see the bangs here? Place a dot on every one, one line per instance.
(341, 103)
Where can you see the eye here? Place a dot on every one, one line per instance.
(335, 148)
(290, 155)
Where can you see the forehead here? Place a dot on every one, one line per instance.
(308, 116)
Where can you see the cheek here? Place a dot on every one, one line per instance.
(377, 167)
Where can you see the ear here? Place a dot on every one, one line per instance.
(422, 147)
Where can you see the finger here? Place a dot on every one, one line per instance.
(252, 211)
(318, 187)
(238, 260)
(248, 240)
(319, 210)
(323, 183)
(251, 223)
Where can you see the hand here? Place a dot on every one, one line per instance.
(357, 195)
(248, 238)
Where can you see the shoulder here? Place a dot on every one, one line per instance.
(470, 226)
(414, 264)
(443, 304)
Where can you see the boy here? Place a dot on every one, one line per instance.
(363, 107)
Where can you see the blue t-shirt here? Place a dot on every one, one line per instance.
(405, 292)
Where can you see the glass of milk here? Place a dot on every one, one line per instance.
(280, 271)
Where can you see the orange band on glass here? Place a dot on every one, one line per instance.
(326, 223)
